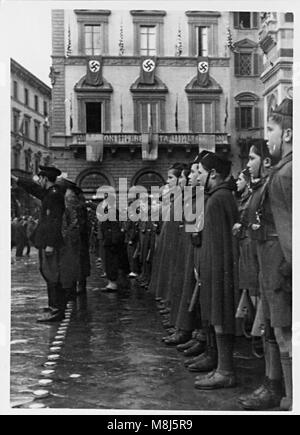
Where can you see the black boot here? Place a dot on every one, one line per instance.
(267, 396)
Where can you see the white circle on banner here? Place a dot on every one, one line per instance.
(203, 67)
(148, 65)
(94, 66)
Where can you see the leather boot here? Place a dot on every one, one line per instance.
(179, 337)
(216, 380)
(207, 362)
(187, 345)
(198, 349)
(268, 396)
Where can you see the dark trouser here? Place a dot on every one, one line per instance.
(134, 264)
(70, 293)
(28, 246)
(115, 259)
(56, 294)
(20, 249)
(57, 297)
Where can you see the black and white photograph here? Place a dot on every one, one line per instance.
(151, 207)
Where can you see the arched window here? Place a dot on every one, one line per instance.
(91, 180)
(148, 178)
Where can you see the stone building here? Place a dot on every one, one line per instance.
(30, 129)
(201, 91)
(276, 41)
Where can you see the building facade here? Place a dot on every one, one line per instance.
(276, 41)
(30, 129)
(124, 126)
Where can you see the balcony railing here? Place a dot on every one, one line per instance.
(167, 139)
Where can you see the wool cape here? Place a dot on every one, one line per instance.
(219, 260)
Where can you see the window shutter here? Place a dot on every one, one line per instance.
(237, 118)
(255, 20)
(237, 64)
(236, 17)
(256, 64)
(256, 117)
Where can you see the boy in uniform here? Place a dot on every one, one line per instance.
(275, 254)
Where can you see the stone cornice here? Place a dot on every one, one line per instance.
(274, 85)
(203, 14)
(166, 61)
(280, 64)
(29, 78)
(94, 12)
(148, 13)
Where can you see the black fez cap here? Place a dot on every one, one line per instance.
(212, 161)
(46, 171)
(285, 108)
(200, 156)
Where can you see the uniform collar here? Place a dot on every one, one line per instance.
(224, 185)
(288, 158)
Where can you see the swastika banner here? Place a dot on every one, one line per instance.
(94, 71)
(203, 72)
(148, 67)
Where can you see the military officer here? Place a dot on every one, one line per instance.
(47, 237)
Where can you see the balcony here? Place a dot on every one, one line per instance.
(169, 141)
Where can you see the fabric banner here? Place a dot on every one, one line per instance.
(94, 147)
(207, 142)
(149, 146)
(148, 67)
(203, 72)
(94, 71)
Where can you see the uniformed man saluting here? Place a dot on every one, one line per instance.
(47, 237)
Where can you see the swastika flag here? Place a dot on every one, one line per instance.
(203, 72)
(94, 71)
(148, 67)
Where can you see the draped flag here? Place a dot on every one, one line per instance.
(94, 71)
(149, 146)
(121, 117)
(226, 113)
(94, 147)
(69, 46)
(203, 72)
(176, 115)
(207, 142)
(148, 67)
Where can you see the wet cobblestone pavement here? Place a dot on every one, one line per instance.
(111, 357)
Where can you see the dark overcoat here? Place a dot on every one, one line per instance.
(219, 260)
(48, 231)
(281, 192)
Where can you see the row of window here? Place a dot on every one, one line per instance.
(31, 163)
(148, 36)
(27, 100)
(23, 127)
(204, 117)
